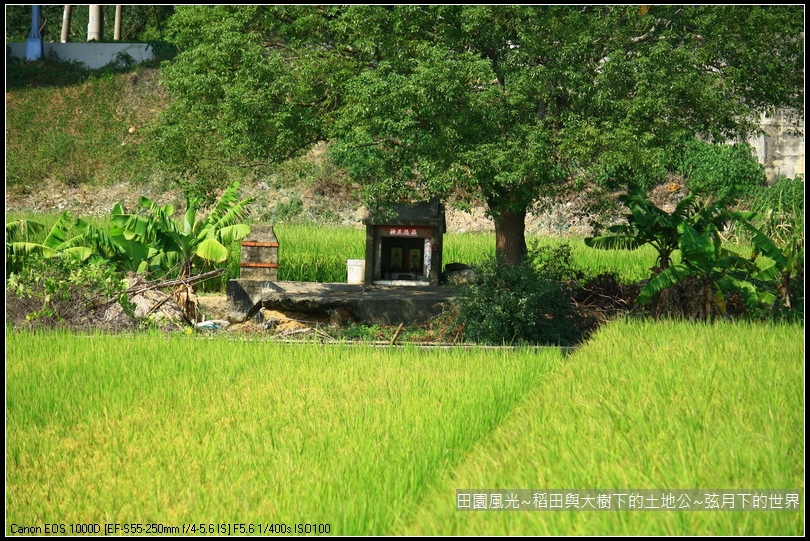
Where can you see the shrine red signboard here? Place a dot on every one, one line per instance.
(400, 231)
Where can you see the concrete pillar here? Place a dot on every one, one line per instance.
(66, 24)
(259, 254)
(95, 25)
(117, 31)
(33, 46)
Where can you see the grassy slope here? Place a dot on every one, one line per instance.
(72, 126)
(78, 140)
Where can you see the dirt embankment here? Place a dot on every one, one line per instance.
(570, 215)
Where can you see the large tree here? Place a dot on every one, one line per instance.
(500, 103)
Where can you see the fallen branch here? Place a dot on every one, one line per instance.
(294, 331)
(396, 334)
(172, 283)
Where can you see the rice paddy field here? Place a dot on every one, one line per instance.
(313, 253)
(317, 254)
(175, 434)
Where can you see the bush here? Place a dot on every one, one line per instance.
(639, 177)
(518, 305)
(554, 262)
(56, 291)
(781, 208)
(718, 171)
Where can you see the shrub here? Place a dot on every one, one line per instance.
(58, 291)
(780, 207)
(518, 304)
(554, 262)
(719, 171)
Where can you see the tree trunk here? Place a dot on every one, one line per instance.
(510, 237)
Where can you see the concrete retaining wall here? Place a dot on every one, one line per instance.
(370, 304)
(92, 55)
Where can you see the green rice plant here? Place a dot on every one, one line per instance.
(645, 405)
(629, 266)
(311, 253)
(468, 248)
(179, 430)
(304, 267)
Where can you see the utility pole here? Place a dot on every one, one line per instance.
(117, 31)
(66, 24)
(94, 27)
(33, 45)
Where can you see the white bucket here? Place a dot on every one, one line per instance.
(357, 270)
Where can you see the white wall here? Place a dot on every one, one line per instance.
(92, 55)
(781, 148)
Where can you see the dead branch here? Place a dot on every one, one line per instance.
(142, 286)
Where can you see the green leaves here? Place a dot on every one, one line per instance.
(520, 304)
(720, 171)
(499, 103)
(21, 241)
(622, 241)
(210, 249)
(190, 243)
(23, 230)
(708, 273)
(669, 277)
(646, 224)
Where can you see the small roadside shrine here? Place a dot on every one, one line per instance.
(406, 248)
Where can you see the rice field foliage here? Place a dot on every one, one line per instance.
(177, 430)
(315, 253)
(629, 266)
(646, 405)
(312, 253)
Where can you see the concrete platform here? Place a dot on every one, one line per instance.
(377, 304)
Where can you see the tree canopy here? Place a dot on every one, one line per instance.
(501, 103)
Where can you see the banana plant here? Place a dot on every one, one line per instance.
(647, 224)
(705, 277)
(23, 231)
(708, 273)
(192, 242)
(22, 235)
(187, 245)
(124, 252)
(785, 263)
